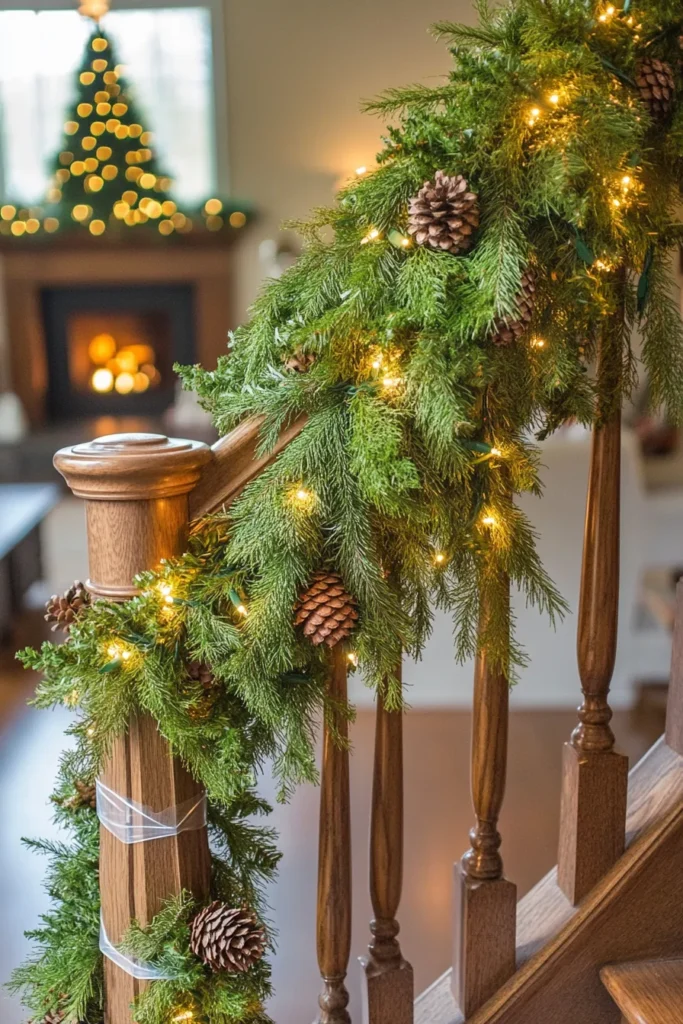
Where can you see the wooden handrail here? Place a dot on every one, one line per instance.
(484, 953)
(594, 775)
(333, 928)
(388, 993)
(234, 464)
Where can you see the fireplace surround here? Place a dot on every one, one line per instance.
(58, 298)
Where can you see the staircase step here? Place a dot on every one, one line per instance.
(647, 992)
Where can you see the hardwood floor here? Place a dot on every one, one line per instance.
(438, 817)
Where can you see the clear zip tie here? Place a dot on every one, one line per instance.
(130, 964)
(132, 822)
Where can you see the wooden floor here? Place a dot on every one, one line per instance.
(438, 817)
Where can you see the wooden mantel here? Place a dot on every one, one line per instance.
(25, 270)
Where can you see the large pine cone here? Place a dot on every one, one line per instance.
(299, 361)
(657, 85)
(508, 329)
(326, 610)
(63, 611)
(227, 938)
(444, 214)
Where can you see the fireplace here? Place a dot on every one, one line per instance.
(111, 350)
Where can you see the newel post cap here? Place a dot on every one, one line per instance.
(129, 467)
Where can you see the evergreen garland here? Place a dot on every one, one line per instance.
(418, 433)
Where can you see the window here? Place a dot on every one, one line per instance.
(167, 53)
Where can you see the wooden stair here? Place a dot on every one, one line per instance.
(648, 991)
(632, 914)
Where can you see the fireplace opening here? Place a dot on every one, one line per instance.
(110, 351)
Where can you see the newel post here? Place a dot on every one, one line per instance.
(136, 489)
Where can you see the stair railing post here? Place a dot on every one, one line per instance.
(388, 987)
(333, 927)
(485, 902)
(594, 775)
(136, 489)
(674, 706)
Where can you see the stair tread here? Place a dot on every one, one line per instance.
(648, 991)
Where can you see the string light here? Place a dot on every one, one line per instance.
(554, 98)
(537, 342)
(496, 452)
(117, 652)
(237, 601)
(353, 658)
(371, 236)
(488, 520)
(185, 1015)
(439, 558)
(360, 171)
(166, 592)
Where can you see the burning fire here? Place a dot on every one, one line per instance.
(125, 370)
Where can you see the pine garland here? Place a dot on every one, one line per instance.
(418, 433)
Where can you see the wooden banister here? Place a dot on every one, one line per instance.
(136, 490)
(674, 707)
(388, 990)
(333, 929)
(594, 775)
(484, 955)
(234, 464)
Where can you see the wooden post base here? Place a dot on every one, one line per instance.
(388, 992)
(484, 956)
(592, 818)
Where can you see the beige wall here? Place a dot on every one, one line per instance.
(297, 70)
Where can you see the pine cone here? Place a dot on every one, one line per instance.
(326, 610)
(200, 672)
(85, 796)
(52, 1017)
(227, 939)
(299, 361)
(63, 611)
(657, 85)
(507, 329)
(444, 215)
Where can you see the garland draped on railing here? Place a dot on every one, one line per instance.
(427, 337)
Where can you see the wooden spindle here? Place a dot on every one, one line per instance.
(388, 990)
(674, 707)
(136, 490)
(333, 930)
(594, 775)
(485, 902)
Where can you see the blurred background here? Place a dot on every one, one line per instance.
(249, 115)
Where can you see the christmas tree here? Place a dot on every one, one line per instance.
(106, 175)
(106, 170)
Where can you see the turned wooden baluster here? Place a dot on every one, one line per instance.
(485, 902)
(136, 490)
(674, 708)
(594, 775)
(333, 930)
(388, 991)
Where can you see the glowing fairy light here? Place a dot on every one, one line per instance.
(360, 171)
(497, 452)
(166, 592)
(439, 558)
(352, 658)
(488, 520)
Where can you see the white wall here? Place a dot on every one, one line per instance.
(297, 71)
